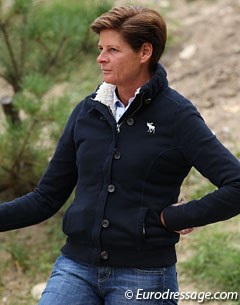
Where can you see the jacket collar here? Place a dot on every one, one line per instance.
(105, 95)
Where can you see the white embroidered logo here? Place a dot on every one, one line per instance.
(151, 127)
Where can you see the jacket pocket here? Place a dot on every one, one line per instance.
(141, 229)
(77, 221)
(150, 230)
(147, 220)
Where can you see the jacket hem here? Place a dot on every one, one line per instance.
(120, 257)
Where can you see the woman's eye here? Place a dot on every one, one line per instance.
(113, 50)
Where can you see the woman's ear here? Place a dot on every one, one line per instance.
(146, 51)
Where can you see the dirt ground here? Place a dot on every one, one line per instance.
(204, 65)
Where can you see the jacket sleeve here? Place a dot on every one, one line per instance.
(54, 188)
(203, 150)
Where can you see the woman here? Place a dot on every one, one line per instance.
(127, 148)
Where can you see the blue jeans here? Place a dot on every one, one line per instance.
(82, 284)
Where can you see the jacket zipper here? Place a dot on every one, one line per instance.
(117, 125)
(120, 124)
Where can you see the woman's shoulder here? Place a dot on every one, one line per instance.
(175, 97)
(175, 103)
(84, 104)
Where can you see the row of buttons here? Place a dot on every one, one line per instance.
(105, 224)
(111, 188)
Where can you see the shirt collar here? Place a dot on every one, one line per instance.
(118, 103)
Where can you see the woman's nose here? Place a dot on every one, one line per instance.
(102, 57)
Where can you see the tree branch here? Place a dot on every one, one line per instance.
(42, 44)
(11, 113)
(24, 144)
(23, 45)
(10, 50)
(54, 59)
(6, 169)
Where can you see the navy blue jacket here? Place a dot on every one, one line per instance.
(126, 174)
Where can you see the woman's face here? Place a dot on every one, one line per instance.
(120, 64)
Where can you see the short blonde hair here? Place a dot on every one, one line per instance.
(137, 25)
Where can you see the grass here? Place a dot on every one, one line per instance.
(216, 259)
(29, 257)
(212, 253)
(18, 252)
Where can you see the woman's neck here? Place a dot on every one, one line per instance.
(125, 93)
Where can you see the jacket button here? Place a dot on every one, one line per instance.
(105, 223)
(104, 255)
(111, 188)
(130, 121)
(117, 155)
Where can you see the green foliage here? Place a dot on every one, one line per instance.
(238, 155)
(19, 254)
(25, 147)
(36, 83)
(41, 44)
(196, 186)
(45, 37)
(34, 248)
(216, 260)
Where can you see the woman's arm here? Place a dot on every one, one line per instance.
(54, 188)
(202, 150)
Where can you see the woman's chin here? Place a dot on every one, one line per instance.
(109, 80)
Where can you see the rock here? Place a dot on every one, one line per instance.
(188, 52)
(164, 3)
(37, 290)
(6, 100)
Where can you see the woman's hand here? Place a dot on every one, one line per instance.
(184, 231)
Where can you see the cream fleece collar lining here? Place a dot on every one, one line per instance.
(105, 95)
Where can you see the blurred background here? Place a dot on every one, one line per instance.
(48, 64)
